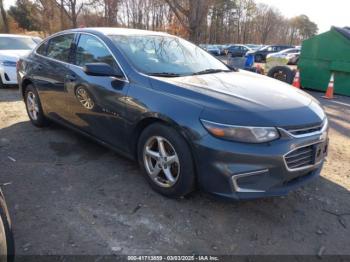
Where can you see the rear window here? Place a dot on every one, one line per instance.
(60, 46)
(42, 49)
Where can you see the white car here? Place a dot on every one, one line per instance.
(12, 47)
(291, 54)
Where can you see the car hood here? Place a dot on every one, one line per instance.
(13, 55)
(257, 96)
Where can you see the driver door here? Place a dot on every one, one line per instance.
(97, 102)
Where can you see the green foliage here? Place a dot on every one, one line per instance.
(25, 13)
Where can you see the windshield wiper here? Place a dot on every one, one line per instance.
(164, 74)
(211, 71)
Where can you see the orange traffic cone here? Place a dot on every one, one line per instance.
(330, 89)
(296, 81)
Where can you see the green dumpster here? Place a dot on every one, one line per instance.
(323, 55)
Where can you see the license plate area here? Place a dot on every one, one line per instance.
(320, 151)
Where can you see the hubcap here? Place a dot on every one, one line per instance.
(161, 161)
(85, 99)
(280, 76)
(32, 105)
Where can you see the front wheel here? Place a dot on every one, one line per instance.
(166, 160)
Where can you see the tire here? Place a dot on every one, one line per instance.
(282, 73)
(40, 120)
(175, 145)
(5, 228)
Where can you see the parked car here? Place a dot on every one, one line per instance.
(222, 49)
(237, 50)
(37, 39)
(12, 47)
(213, 49)
(7, 247)
(291, 54)
(186, 117)
(260, 55)
(254, 47)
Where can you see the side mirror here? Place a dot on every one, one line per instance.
(102, 69)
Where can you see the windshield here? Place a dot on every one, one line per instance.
(16, 43)
(166, 55)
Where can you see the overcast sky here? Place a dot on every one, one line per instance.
(323, 13)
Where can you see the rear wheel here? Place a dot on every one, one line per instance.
(166, 161)
(33, 106)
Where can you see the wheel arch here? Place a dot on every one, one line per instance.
(151, 119)
(24, 86)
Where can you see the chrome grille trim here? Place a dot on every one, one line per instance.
(307, 131)
(301, 163)
(238, 189)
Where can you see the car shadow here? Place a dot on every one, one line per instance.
(65, 186)
(10, 94)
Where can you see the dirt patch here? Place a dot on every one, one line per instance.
(71, 196)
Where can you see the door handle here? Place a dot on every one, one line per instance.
(71, 78)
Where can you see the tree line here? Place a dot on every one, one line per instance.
(201, 21)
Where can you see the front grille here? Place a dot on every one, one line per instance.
(305, 130)
(301, 157)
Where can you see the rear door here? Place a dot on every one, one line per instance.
(103, 116)
(50, 70)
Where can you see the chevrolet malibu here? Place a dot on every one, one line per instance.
(188, 119)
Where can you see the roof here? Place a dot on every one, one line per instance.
(345, 31)
(119, 31)
(13, 35)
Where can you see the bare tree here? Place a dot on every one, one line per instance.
(192, 14)
(47, 11)
(72, 9)
(4, 17)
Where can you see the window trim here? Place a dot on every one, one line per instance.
(74, 54)
(75, 42)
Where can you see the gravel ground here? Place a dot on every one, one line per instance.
(68, 195)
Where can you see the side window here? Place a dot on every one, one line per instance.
(91, 50)
(59, 47)
(42, 49)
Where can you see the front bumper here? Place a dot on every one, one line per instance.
(8, 75)
(248, 171)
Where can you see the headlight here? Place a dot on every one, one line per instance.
(8, 63)
(243, 134)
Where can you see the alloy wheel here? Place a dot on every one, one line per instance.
(85, 99)
(161, 161)
(32, 105)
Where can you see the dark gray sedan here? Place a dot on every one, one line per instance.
(188, 119)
